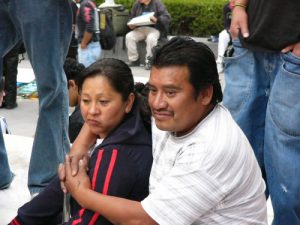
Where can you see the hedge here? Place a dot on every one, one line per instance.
(198, 18)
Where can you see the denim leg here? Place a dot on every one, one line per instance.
(8, 38)
(246, 94)
(6, 175)
(282, 142)
(89, 55)
(46, 28)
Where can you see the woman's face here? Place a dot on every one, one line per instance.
(102, 107)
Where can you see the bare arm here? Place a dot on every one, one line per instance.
(79, 150)
(239, 20)
(117, 210)
(86, 39)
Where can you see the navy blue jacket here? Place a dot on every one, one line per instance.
(119, 166)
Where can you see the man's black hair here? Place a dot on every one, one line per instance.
(199, 59)
(73, 69)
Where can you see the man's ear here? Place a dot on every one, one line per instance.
(206, 95)
(129, 102)
(72, 83)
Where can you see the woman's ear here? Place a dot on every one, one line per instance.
(129, 102)
(206, 95)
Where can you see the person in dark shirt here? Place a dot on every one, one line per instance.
(150, 33)
(87, 21)
(262, 93)
(73, 69)
(120, 165)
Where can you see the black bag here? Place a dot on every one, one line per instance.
(107, 34)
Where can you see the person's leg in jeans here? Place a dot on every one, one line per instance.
(46, 28)
(282, 141)
(247, 85)
(6, 175)
(8, 38)
(90, 54)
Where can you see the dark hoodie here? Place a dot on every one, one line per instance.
(120, 166)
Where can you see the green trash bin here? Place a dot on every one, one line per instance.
(119, 19)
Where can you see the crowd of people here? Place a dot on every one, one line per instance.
(172, 151)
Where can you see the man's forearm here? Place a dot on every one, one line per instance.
(83, 142)
(117, 210)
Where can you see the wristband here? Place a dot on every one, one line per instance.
(240, 5)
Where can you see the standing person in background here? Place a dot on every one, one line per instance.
(89, 49)
(224, 37)
(150, 33)
(262, 92)
(73, 70)
(45, 27)
(10, 72)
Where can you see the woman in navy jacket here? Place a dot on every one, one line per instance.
(120, 165)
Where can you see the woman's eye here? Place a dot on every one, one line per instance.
(85, 101)
(103, 102)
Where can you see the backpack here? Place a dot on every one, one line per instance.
(107, 34)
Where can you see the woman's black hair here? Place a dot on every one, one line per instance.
(120, 78)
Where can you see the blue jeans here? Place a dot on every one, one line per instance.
(45, 26)
(6, 175)
(262, 92)
(90, 54)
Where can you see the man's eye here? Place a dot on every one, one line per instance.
(152, 90)
(170, 93)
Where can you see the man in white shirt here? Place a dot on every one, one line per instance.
(204, 170)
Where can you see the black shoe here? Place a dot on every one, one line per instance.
(133, 63)
(9, 106)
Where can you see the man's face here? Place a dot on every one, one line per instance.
(172, 100)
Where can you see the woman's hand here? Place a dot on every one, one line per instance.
(74, 164)
(78, 183)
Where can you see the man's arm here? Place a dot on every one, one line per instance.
(116, 210)
(239, 19)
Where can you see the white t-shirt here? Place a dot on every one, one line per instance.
(209, 176)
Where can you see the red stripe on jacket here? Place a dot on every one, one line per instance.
(15, 222)
(94, 179)
(107, 181)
